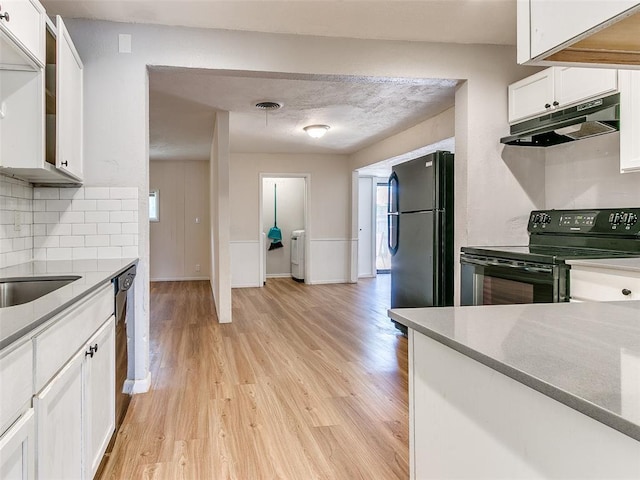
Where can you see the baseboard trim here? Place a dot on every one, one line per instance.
(278, 275)
(137, 386)
(178, 279)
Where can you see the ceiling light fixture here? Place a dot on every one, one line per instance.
(316, 131)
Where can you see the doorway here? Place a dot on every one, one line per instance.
(284, 227)
(383, 257)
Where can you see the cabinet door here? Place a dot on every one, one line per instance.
(59, 424)
(26, 26)
(629, 120)
(17, 449)
(575, 85)
(531, 96)
(555, 23)
(69, 96)
(99, 378)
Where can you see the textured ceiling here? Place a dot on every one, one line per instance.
(360, 111)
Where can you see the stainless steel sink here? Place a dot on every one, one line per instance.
(16, 291)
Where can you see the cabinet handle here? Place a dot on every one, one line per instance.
(4, 15)
(547, 105)
(92, 349)
(555, 103)
(626, 291)
(64, 164)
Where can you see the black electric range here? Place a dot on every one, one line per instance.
(538, 272)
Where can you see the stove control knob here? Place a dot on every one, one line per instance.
(546, 218)
(632, 218)
(616, 219)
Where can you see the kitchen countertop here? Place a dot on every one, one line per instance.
(627, 264)
(584, 355)
(19, 320)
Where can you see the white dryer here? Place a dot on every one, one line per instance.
(297, 255)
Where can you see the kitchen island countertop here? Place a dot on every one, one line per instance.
(22, 320)
(584, 355)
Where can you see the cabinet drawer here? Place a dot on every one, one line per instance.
(16, 382)
(604, 285)
(69, 332)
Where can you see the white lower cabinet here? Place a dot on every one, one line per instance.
(100, 396)
(17, 449)
(76, 411)
(59, 413)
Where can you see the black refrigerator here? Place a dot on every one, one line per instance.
(420, 232)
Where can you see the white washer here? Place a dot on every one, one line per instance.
(297, 255)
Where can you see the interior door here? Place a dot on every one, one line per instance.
(366, 265)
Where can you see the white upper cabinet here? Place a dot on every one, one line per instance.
(21, 34)
(629, 120)
(603, 32)
(556, 88)
(68, 104)
(42, 115)
(531, 96)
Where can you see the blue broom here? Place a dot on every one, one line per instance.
(274, 232)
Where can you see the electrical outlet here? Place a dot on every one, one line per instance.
(197, 267)
(17, 221)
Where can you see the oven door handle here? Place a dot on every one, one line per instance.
(493, 263)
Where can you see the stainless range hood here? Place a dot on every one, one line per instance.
(595, 117)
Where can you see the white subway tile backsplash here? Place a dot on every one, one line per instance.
(110, 252)
(59, 253)
(122, 217)
(96, 193)
(71, 193)
(84, 253)
(130, 228)
(97, 240)
(130, 251)
(130, 204)
(72, 217)
(96, 217)
(84, 229)
(58, 229)
(16, 219)
(58, 205)
(84, 205)
(45, 193)
(109, 228)
(122, 240)
(109, 205)
(84, 223)
(46, 217)
(72, 241)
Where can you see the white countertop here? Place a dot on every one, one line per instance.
(626, 264)
(585, 355)
(18, 321)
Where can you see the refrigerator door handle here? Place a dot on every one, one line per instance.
(393, 232)
(392, 193)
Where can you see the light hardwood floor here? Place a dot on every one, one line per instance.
(307, 382)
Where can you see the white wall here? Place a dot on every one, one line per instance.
(180, 240)
(328, 226)
(291, 198)
(586, 174)
(116, 116)
(219, 215)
